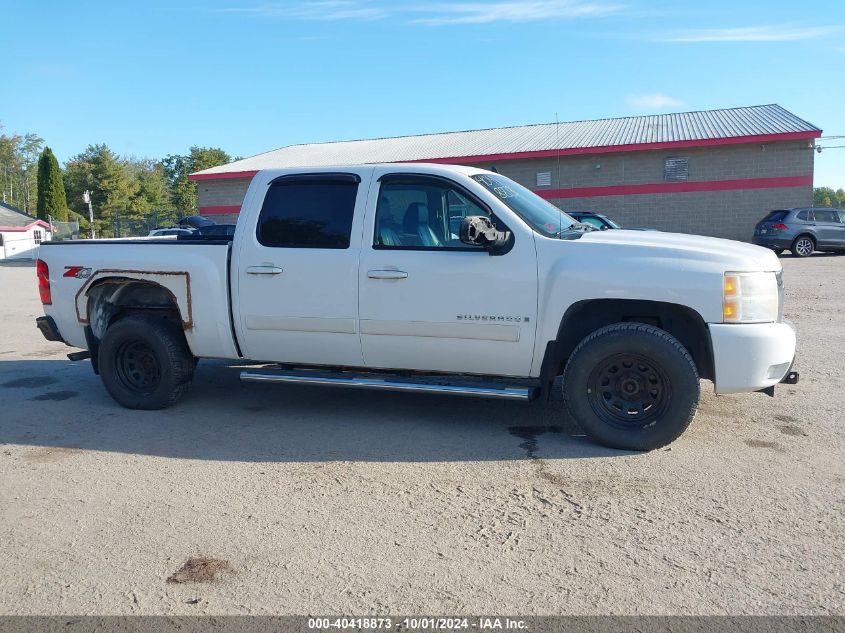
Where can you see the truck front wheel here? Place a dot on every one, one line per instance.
(145, 362)
(631, 386)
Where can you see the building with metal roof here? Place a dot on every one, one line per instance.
(707, 162)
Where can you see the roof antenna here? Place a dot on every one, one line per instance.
(557, 147)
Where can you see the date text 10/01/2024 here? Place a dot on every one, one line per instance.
(417, 623)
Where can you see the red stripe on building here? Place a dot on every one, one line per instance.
(676, 187)
(27, 227)
(632, 190)
(221, 210)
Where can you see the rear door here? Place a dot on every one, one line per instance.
(296, 269)
(430, 302)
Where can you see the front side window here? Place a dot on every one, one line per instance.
(36, 235)
(415, 212)
(308, 213)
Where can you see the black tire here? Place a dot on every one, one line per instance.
(145, 362)
(803, 246)
(631, 386)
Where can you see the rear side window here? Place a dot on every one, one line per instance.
(825, 215)
(803, 215)
(308, 213)
(776, 216)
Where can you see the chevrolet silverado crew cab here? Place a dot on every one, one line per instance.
(428, 278)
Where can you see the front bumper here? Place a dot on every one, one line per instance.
(753, 356)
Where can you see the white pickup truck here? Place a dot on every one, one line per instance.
(429, 278)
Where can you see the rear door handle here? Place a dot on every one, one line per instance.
(387, 274)
(264, 270)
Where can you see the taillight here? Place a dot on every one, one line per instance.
(780, 226)
(43, 273)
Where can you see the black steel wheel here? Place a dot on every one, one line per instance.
(145, 362)
(631, 386)
(137, 367)
(629, 391)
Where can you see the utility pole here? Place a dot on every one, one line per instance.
(86, 197)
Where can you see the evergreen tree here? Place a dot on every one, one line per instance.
(51, 188)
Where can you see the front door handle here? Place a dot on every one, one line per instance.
(387, 274)
(264, 270)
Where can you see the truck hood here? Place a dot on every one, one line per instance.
(735, 256)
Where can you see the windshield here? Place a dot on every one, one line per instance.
(542, 216)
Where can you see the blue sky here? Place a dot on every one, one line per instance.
(152, 78)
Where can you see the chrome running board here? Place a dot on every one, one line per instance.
(371, 381)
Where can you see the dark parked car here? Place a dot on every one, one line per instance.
(217, 230)
(802, 230)
(601, 222)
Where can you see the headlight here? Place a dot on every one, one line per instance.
(750, 298)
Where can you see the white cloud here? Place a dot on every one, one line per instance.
(487, 12)
(656, 101)
(436, 13)
(763, 33)
(328, 10)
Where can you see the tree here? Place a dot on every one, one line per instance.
(106, 176)
(827, 197)
(51, 188)
(177, 167)
(18, 167)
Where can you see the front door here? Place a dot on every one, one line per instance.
(828, 229)
(430, 302)
(297, 272)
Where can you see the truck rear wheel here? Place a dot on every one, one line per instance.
(145, 362)
(631, 386)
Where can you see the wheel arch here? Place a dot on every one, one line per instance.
(108, 294)
(584, 317)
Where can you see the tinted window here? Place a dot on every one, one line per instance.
(777, 216)
(803, 215)
(418, 212)
(824, 215)
(308, 213)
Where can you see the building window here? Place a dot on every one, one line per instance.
(544, 179)
(36, 235)
(676, 169)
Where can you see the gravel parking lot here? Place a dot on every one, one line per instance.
(301, 500)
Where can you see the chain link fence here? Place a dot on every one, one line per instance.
(65, 230)
(123, 226)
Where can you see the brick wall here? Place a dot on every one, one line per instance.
(222, 193)
(730, 214)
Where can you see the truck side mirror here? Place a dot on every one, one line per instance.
(479, 230)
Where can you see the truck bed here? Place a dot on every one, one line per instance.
(195, 270)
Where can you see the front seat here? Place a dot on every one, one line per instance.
(387, 235)
(415, 223)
